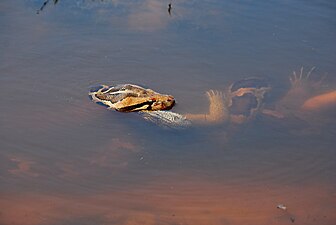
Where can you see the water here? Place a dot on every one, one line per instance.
(65, 160)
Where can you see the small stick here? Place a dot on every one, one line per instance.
(169, 9)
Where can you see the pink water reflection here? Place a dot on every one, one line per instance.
(176, 201)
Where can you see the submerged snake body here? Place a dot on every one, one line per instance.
(242, 101)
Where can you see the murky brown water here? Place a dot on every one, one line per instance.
(65, 160)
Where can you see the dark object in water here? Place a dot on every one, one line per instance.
(246, 97)
(169, 9)
(44, 5)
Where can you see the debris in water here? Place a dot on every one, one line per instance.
(292, 219)
(282, 206)
(169, 8)
(44, 5)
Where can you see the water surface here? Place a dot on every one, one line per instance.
(65, 160)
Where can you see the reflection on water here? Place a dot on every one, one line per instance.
(64, 160)
(144, 15)
(167, 201)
